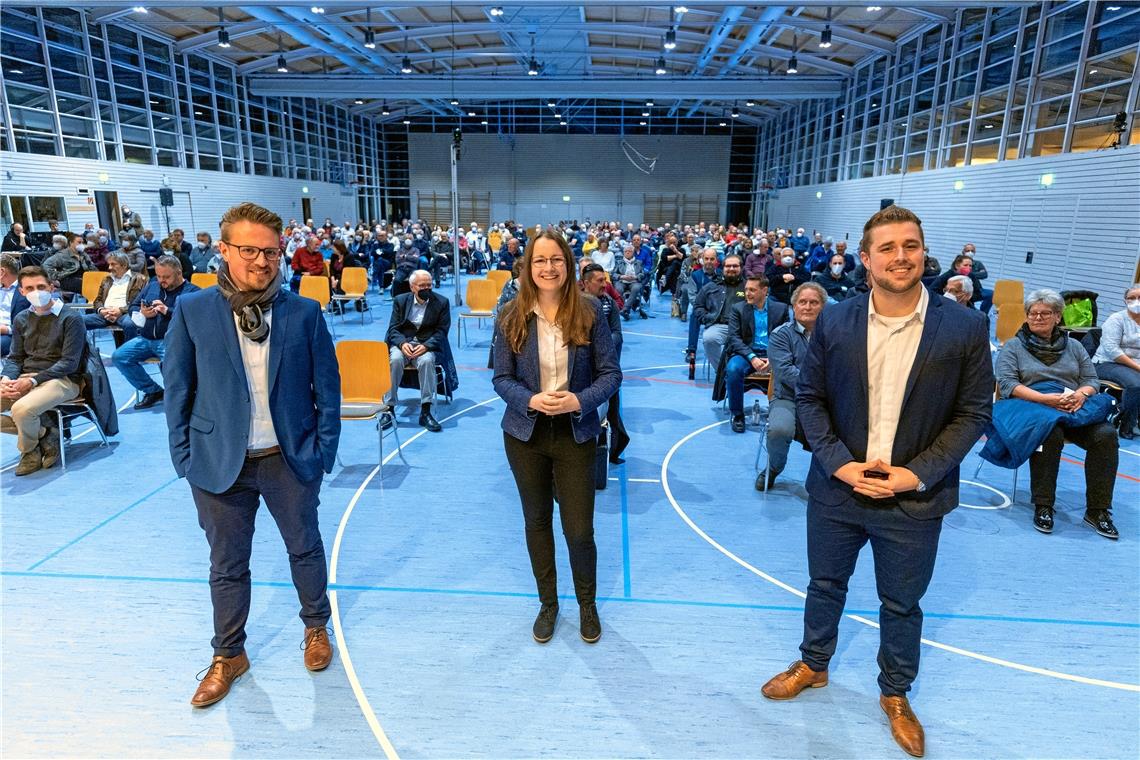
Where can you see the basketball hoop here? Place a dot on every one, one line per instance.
(642, 163)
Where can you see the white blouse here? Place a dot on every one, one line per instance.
(553, 356)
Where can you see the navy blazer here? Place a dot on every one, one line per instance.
(742, 324)
(594, 377)
(207, 394)
(946, 404)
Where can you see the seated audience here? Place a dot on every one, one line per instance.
(151, 310)
(43, 370)
(834, 281)
(307, 261)
(12, 301)
(959, 288)
(1049, 391)
(749, 324)
(1117, 359)
(785, 275)
(205, 253)
(151, 249)
(757, 260)
(66, 266)
(963, 265)
(417, 331)
(800, 243)
(787, 347)
(701, 277)
(714, 305)
(128, 246)
(111, 307)
(986, 296)
(407, 261)
(16, 239)
(627, 276)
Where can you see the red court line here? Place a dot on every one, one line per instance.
(1082, 464)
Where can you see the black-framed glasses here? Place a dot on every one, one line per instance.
(250, 252)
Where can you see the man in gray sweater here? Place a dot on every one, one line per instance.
(43, 370)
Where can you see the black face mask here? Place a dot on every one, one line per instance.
(423, 294)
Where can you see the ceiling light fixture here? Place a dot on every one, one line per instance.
(562, 123)
(649, 104)
(369, 35)
(793, 64)
(471, 113)
(484, 122)
(642, 123)
(281, 67)
(139, 9)
(723, 124)
(384, 109)
(750, 102)
(406, 65)
(497, 10)
(550, 103)
(825, 35)
(874, 8)
(317, 10)
(645, 113)
(455, 101)
(735, 111)
(358, 102)
(680, 10)
(223, 35)
(558, 116)
(670, 39)
(532, 64)
(660, 69)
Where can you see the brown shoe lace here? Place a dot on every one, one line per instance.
(900, 708)
(798, 668)
(220, 665)
(313, 635)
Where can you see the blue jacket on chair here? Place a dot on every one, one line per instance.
(594, 377)
(207, 394)
(946, 404)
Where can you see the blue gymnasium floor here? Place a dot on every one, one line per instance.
(1033, 641)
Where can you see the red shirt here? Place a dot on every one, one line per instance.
(308, 262)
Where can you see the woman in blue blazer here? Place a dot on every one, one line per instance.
(555, 364)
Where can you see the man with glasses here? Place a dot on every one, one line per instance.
(253, 409)
(151, 312)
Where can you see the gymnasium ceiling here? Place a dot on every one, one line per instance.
(725, 56)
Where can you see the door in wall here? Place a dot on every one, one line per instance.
(306, 209)
(107, 207)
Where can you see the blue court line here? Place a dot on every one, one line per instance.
(624, 482)
(532, 595)
(115, 516)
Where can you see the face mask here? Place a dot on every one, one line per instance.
(202, 246)
(424, 294)
(1133, 305)
(950, 296)
(359, 238)
(837, 269)
(788, 261)
(39, 298)
(81, 248)
(419, 237)
(57, 246)
(407, 243)
(965, 270)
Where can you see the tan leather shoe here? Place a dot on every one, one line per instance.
(792, 681)
(905, 727)
(218, 678)
(318, 649)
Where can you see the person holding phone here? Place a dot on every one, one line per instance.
(875, 360)
(555, 364)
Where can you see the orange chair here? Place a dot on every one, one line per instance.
(317, 288)
(1009, 291)
(500, 277)
(482, 295)
(204, 279)
(354, 283)
(90, 289)
(1011, 316)
(365, 379)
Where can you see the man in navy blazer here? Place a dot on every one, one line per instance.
(417, 337)
(747, 348)
(895, 389)
(253, 409)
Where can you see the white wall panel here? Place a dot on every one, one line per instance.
(527, 175)
(1084, 230)
(200, 197)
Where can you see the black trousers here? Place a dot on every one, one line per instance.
(228, 520)
(550, 454)
(1102, 445)
(904, 550)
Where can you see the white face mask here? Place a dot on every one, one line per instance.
(1133, 305)
(81, 247)
(950, 296)
(788, 261)
(103, 240)
(39, 298)
(837, 269)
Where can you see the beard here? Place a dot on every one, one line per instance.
(732, 279)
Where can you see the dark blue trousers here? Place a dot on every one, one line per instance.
(228, 520)
(904, 550)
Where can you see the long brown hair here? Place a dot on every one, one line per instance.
(575, 314)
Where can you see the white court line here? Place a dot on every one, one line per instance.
(660, 366)
(651, 335)
(638, 480)
(349, 670)
(1129, 453)
(1006, 501)
(858, 618)
(90, 428)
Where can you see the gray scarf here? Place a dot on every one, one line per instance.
(249, 305)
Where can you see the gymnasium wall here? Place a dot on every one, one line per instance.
(528, 175)
(1083, 230)
(200, 197)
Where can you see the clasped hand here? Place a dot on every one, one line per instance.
(412, 350)
(1065, 402)
(14, 388)
(555, 402)
(898, 480)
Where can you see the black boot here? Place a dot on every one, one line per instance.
(543, 630)
(1043, 519)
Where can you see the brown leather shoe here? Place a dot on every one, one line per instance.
(318, 649)
(904, 725)
(792, 681)
(218, 678)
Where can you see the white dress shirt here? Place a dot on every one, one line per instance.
(7, 295)
(892, 343)
(553, 356)
(255, 357)
(117, 293)
(416, 312)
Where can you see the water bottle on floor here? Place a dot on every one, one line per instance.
(756, 412)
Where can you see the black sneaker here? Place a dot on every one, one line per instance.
(738, 423)
(387, 419)
(1101, 521)
(589, 626)
(543, 630)
(148, 400)
(1043, 519)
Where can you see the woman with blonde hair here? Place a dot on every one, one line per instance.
(555, 364)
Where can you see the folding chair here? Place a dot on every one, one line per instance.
(204, 279)
(354, 283)
(481, 298)
(317, 288)
(365, 378)
(500, 277)
(90, 289)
